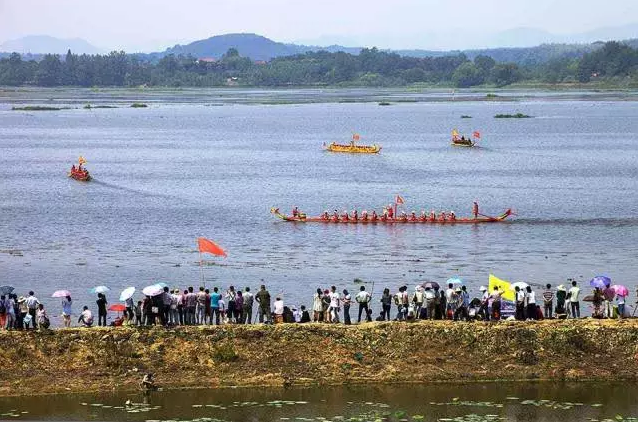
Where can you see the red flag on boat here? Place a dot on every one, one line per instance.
(399, 200)
(209, 246)
(477, 134)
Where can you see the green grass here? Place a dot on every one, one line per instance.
(512, 116)
(139, 105)
(36, 108)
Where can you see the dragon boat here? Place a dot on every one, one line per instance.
(383, 219)
(79, 173)
(463, 141)
(353, 148)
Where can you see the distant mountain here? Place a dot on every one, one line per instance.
(249, 45)
(40, 44)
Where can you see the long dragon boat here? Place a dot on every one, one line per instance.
(383, 219)
(353, 148)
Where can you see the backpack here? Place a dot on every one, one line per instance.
(3, 308)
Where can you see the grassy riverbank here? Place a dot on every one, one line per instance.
(80, 360)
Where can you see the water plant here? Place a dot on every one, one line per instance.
(36, 108)
(139, 105)
(512, 116)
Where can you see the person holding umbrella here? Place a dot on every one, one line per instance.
(608, 295)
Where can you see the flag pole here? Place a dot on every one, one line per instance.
(201, 268)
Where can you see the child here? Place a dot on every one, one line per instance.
(222, 311)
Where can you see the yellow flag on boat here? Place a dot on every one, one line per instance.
(81, 160)
(455, 133)
(504, 286)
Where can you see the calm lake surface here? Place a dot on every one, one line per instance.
(183, 168)
(462, 403)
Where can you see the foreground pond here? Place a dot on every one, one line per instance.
(470, 402)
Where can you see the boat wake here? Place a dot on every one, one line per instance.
(128, 189)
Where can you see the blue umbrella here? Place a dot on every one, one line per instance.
(161, 284)
(5, 290)
(454, 280)
(100, 289)
(600, 281)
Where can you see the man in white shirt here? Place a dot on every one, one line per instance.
(530, 300)
(363, 299)
(520, 303)
(86, 317)
(279, 310)
(450, 300)
(335, 304)
(32, 303)
(430, 302)
(573, 300)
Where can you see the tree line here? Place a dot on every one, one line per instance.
(371, 67)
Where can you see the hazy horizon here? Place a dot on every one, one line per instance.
(147, 25)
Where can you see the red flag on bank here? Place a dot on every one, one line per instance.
(209, 246)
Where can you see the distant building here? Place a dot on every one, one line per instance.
(261, 62)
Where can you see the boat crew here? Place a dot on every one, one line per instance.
(374, 215)
(452, 216)
(390, 212)
(355, 215)
(442, 217)
(413, 216)
(73, 168)
(404, 216)
(325, 215)
(423, 217)
(364, 215)
(295, 212)
(335, 216)
(432, 216)
(475, 210)
(345, 216)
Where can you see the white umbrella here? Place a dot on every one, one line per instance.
(152, 290)
(127, 293)
(100, 289)
(520, 284)
(61, 293)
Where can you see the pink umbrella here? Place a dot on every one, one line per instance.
(61, 293)
(620, 290)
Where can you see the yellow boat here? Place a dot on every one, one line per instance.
(353, 148)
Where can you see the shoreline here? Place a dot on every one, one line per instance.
(80, 360)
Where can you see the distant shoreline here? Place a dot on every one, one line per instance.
(285, 355)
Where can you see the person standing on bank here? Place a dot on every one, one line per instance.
(248, 306)
(573, 300)
(347, 300)
(548, 301)
(530, 301)
(101, 309)
(263, 298)
(363, 299)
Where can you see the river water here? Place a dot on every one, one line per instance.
(213, 166)
(437, 402)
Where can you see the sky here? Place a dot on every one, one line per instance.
(152, 25)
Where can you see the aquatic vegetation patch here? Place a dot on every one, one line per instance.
(512, 116)
(38, 108)
(465, 116)
(384, 103)
(90, 107)
(139, 105)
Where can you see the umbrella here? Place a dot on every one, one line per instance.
(600, 281)
(5, 290)
(588, 298)
(161, 284)
(61, 293)
(520, 284)
(620, 290)
(152, 290)
(127, 293)
(454, 280)
(100, 289)
(117, 307)
(431, 285)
